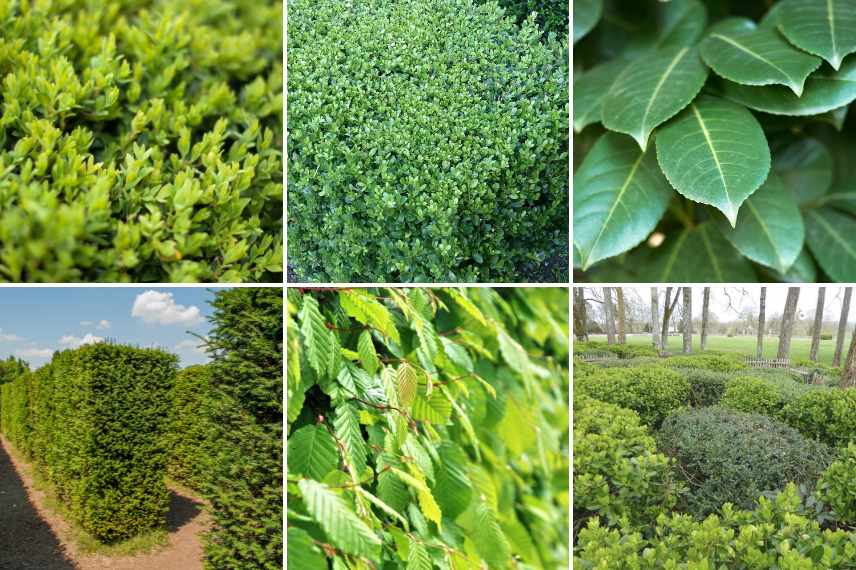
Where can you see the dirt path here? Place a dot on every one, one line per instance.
(32, 536)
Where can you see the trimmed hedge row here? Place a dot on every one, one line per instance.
(552, 15)
(94, 422)
(191, 427)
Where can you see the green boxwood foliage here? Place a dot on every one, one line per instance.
(620, 350)
(826, 414)
(727, 456)
(140, 140)
(652, 391)
(748, 394)
(776, 534)
(95, 420)
(706, 386)
(707, 361)
(244, 482)
(190, 445)
(428, 428)
(836, 486)
(428, 142)
(552, 15)
(618, 474)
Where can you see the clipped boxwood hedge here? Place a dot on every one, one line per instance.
(551, 15)
(140, 141)
(828, 415)
(428, 142)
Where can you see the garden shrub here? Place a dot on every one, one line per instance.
(141, 141)
(552, 14)
(726, 456)
(618, 474)
(773, 535)
(706, 386)
(652, 391)
(748, 394)
(191, 428)
(837, 486)
(244, 481)
(631, 362)
(707, 361)
(827, 414)
(14, 414)
(450, 406)
(11, 368)
(620, 350)
(582, 368)
(428, 142)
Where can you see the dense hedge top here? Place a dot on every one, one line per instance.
(722, 126)
(552, 15)
(428, 142)
(139, 140)
(428, 428)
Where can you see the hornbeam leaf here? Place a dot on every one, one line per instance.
(427, 504)
(383, 506)
(590, 88)
(586, 15)
(829, 235)
(339, 522)
(805, 168)
(736, 50)
(347, 430)
(316, 336)
(468, 306)
(699, 254)
(823, 27)
(302, 552)
(769, 228)
(406, 384)
(418, 558)
(715, 153)
(312, 452)
(452, 487)
(368, 355)
(489, 540)
(620, 194)
(823, 92)
(652, 90)
(514, 354)
(362, 306)
(435, 408)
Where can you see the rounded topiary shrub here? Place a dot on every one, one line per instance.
(827, 414)
(618, 473)
(706, 386)
(652, 391)
(748, 394)
(727, 456)
(428, 142)
(713, 362)
(837, 486)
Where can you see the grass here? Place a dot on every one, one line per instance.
(800, 346)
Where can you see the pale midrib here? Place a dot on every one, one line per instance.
(833, 233)
(612, 208)
(713, 152)
(764, 227)
(831, 17)
(659, 86)
(736, 44)
(667, 270)
(712, 255)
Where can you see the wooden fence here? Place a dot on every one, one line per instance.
(596, 356)
(767, 362)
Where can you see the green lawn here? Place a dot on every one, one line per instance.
(744, 345)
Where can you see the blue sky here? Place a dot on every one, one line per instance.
(34, 322)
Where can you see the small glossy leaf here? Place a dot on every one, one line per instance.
(829, 235)
(823, 27)
(736, 50)
(652, 90)
(619, 196)
(715, 153)
(769, 227)
(701, 254)
(590, 88)
(586, 15)
(805, 168)
(823, 92)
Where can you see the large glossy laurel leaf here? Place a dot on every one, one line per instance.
(805, 167)
(824, 92)
(302, 552)
(342, 525)
(629, 29)
(619, 196)
(697, 255)
(769, 227)
(586, 15)
(823, 27)
(829, 235)
(803, 270)
(590, 88)
(652, 90)
(842, 197)
(715, 153)
(736, 50)
(312, 452)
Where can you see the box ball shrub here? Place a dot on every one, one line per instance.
(828, 415)
(706, 386)
(141, 141)
(726, 456)
(652, 391)
(836, 486)
(428, 142)
(748, 394)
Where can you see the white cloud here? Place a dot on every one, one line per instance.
(34, 352)
(7, 337)
(103, 324)
(191, 345)
(71, 341)
(155, 307)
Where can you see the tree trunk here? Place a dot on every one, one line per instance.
(842, 326)
(705, 305)
(788, 322)
(688, 320)
(762, 324)
(667, 316)
(610, 315)
(580, 317)
(655, 319)
(619, 296)
(848, 375)
(818, 324)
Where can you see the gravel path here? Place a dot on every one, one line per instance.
(34, 537)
